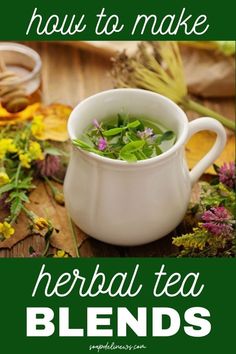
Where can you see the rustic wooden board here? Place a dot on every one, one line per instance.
(68, 76)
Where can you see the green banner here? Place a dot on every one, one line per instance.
(122, 20)
(146, 305)
(102, 305)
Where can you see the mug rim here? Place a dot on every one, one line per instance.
(180, 141)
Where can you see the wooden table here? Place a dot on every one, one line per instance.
(69, 75)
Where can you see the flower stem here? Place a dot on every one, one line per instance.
(199, 108)
(57, 195)
(51, 186)
(17, 175)
(73, 236)
(46, 248)
(14, 216)
(56, 179)
(28, 213)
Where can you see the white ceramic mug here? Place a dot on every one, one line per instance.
(133, 203)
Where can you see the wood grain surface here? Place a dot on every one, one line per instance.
(68, 76)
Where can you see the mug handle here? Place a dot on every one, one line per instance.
(213, 125)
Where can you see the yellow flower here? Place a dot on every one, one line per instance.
(4, 179)
(37, 126)
(12, 147)
(60, 254)
(35, 151)
(6, 145)
(23, 135)
(59, 198)
(25, 159)
(6, 230)
(40, 223)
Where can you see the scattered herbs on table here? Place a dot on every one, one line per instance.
(126, 138)
(214, 233)
(23, 157)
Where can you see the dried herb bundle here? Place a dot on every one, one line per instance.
(157, 66)
(21, 156)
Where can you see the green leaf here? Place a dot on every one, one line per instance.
(158, 150)
(131, 135)
(148, 150)
(16, 207)
(139, 155)
(87, 139)
(23, 197)
(114, 141)
(26, 183)
(81, 144)
(113, 131)
(86, 147)
(13, 195)
(109, 154)
(168, 135)
(7, 187)
(51, 150)
(133, 124)
(129, 157)
(158, 139)
(132, 147)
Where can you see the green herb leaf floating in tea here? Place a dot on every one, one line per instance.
(128, 157)
(130, 136)
(168, 135)
(85, 146)
(133, 146)
(158, 150)
(113, 131)
(81, 144)
(148, 151)
(126, 138)
(114, 140)
(133, 124)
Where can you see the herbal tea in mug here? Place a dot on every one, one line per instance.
(135, 186)
(126, 138)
